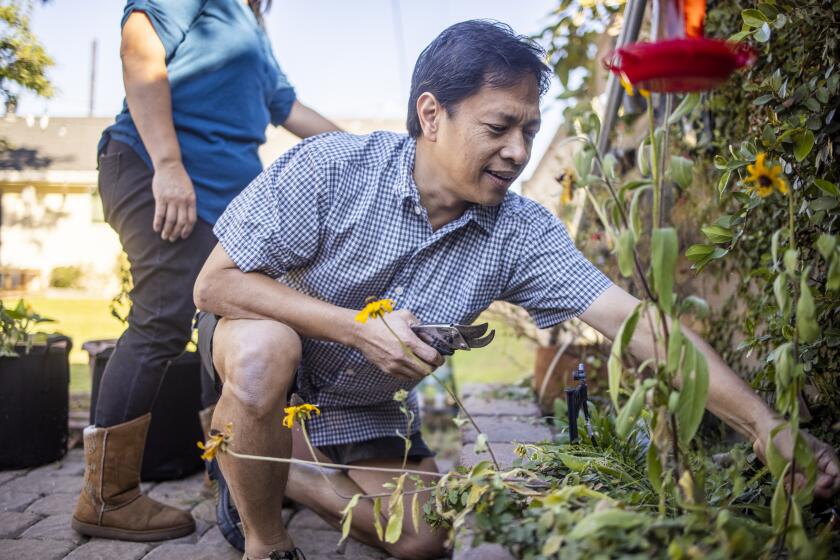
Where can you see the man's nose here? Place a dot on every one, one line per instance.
(516, 149)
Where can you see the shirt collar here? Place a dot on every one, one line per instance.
(483, 216)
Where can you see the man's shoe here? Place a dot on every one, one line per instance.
(227, 517)
(296, 554)
(110, 504)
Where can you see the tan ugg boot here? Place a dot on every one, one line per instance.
(110, 504)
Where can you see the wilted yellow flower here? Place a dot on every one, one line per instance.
(567, 182)
(401, 395)
(216, 443)
(300, 412)
(375, 308)
(763, 179)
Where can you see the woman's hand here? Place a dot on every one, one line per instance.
(175, 213)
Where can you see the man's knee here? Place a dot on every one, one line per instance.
(258, 364)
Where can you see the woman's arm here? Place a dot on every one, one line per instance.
(149, 101)
(303, 121)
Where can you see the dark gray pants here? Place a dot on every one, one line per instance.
(160, 319)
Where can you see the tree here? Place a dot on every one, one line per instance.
(23, 60)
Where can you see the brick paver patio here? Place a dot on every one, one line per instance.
(36, 505)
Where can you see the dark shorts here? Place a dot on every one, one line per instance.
(390, 447)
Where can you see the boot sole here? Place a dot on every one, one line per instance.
(129, 534)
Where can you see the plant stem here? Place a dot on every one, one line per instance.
(455, 398)
(654, 164)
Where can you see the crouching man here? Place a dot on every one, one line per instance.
(425, 219)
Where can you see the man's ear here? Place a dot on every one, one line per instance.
(429, 112)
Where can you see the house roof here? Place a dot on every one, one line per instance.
(61, 151)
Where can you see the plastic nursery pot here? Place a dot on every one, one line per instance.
(34, 401)
(170, 451)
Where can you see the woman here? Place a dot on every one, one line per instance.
(201, 86)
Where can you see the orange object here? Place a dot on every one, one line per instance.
(695, 14)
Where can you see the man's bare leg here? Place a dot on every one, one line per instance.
(257, 361)
(306, 486)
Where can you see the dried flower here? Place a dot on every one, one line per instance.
(300, 412)
(375, 309)
(764, 178)
(217, 442)
(567, 182)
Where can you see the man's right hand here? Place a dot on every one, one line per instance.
(382, 349)
(175, 213)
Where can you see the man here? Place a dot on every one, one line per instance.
(426, 220)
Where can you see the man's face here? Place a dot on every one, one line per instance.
(484, 144)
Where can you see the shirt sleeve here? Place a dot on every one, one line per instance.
(274, 225)
(551, 279)
(171, 20)
(284, 97)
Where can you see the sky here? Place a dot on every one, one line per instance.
(346, 58)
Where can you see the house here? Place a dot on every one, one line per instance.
(50, 212)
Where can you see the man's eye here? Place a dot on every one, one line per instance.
(530, 134)
(496, 128)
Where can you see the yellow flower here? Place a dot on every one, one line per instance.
(301, 412)
(374, 309)
(628, 87)
(764, 178)
(216, 443)
(567, 181)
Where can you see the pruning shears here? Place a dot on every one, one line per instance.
(448, 338)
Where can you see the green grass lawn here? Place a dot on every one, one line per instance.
(506, 360)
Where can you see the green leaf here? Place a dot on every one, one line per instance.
(775, 462)
(803, 142)
(626, 253)
(774, 246)
(682, 170)
(629, 412)
(377, 518)
(693, 395)
(826, 244)
(717, 234)
(781, 292)
(724, 181)
(643, 158)
(347, 516)
(664, 262)
(824, 203)
(583, 161)
(784, 364)
(764, 99)
(635, 216)
(807, 464)
(762, 34)
(791, 262)
(622, 339)
(806, 322)
(696, 305)
(675, 348)
(833, 276)
(552, 545)
(778, 504)
(686, 106)
(415, 513)
(827, 187)
(698, 252)
(395, 512)
(597, 521)
(754, 18)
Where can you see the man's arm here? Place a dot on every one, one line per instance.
(730, 398)
(149, 100)
(304, 121)
(222, 288)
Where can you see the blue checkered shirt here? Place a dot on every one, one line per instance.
(339, 217)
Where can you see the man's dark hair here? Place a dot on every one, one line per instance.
(469, 55)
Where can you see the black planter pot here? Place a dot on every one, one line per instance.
(171, 450)
(34, 400)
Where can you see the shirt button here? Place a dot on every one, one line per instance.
(399, 290)
(349, 371)
(417, 210)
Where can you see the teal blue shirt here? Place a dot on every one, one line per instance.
(226, 88)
